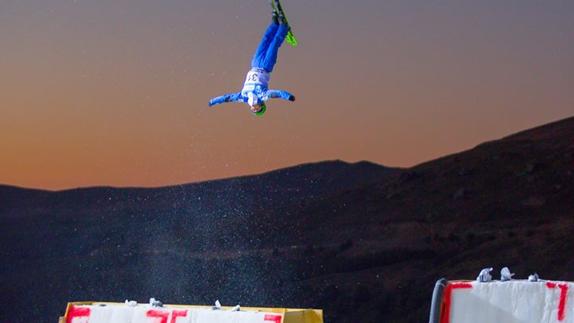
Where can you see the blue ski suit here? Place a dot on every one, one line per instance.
(256, 87)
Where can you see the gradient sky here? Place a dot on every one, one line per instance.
(114, 92)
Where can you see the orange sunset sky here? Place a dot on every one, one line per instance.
(115, 92)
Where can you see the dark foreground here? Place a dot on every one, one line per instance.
(364, 242)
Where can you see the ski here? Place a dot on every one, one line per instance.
(277, 8)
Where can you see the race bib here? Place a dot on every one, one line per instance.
(257, 76)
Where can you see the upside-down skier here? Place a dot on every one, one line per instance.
(256, 90)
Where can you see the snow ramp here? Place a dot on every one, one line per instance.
(514, 301)
(92, 312)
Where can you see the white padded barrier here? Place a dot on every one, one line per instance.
(118, 313)
(515, 301)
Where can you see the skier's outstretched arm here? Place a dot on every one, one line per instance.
(233, 97)
(280, 94)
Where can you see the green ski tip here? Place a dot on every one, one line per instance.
(291, 40)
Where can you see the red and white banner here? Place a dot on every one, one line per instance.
(117, 313)
(516, 301)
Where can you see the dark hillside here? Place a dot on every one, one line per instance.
(362, 241)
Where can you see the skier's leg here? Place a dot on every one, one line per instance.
(273, 49)
(261, 51)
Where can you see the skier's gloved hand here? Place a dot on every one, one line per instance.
(533, 278)
(131, 303)
(485, 275)
(505, 274)
(155, 303)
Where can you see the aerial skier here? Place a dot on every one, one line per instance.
(256, 90)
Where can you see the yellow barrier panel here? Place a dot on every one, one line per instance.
(303, 316)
